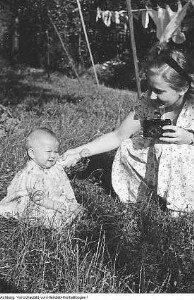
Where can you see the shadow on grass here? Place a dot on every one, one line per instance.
(5, 287)
(97, 170)
(15, 91)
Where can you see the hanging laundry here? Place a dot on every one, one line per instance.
(121, 17)
(106, 16)
(145, 18)
(109, 17)
(117, 18)
(171, 12)
(179, 36)
(124, 19)
(173, 29)
(99, 14)
(162, 17)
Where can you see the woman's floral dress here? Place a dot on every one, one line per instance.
(23, 196)
(142, 164)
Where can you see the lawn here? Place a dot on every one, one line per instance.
(114, 248)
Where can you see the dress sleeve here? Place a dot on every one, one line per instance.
(67, 196)
(67, 188)
(17, 188)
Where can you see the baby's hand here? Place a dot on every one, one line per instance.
(38, 196)
(70, 158)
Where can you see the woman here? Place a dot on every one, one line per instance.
(164, 165)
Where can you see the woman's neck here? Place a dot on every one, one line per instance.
(173, 112)
(177, 106)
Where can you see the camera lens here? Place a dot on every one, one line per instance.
(155, 132)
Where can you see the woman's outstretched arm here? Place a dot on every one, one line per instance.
(104, 143)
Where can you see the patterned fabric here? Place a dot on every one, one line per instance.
(23, 195)
(142, 165)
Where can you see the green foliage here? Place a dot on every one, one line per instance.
(38, 39)
(37, 36)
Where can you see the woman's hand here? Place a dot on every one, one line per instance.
(176, 135)
(70, 158)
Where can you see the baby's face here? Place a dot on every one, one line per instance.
(45, 152)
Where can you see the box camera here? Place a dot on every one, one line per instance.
(153, 128)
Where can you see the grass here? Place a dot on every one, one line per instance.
(114, 248)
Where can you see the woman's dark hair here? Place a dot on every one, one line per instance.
(174, 66)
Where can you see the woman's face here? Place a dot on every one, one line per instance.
(162, 93)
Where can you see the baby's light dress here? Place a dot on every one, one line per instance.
(52, 183)
(142, 165)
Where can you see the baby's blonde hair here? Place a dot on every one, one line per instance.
(35, 135)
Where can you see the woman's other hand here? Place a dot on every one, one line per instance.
(176, 135)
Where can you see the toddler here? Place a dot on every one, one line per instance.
(41, 190)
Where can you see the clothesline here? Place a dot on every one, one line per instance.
(161, 18)
(143, 9)
(133, 10)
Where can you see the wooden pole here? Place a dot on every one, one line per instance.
(47, 53)
(64, 48)
(129, 9)
(15, 40)
(87, 41)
